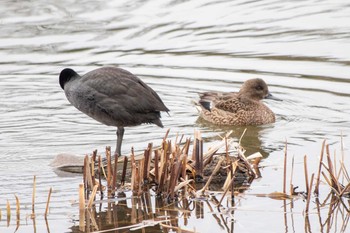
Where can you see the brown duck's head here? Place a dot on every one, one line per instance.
(255, 89)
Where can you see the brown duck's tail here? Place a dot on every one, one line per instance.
(205, 104)
(199, 105)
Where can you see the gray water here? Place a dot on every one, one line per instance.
(180, 48)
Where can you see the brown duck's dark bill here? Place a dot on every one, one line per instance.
(271, 97)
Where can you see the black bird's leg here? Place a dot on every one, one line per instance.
(120, 134)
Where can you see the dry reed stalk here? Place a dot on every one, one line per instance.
(145, 173)
(91, 217)
(345, 172)
(108, 218)
(8, 212)
(138, 181)
(18, 221)
(163, 168)
(199, 159)
(309, 194)
(169, 152)
(232, 186)
(156, 166)
(166, 135)
(174, 178)
(212, 150)
(333, 181)
(227, 183)
(330, 167)
(306, 175)
(147, 164)
(176, 138)
(92, 197)
(319, 169)
(307, 225)
(88, 178)
(81, 197)
(176, 152)
(326, 178)
(226, 150)
(150, 148)
(125, 165)
(94, 155)
(33, 197)
(115, 171)
(344, 189)
(47, 203)
(339, 176)
(82, 220)
(92, 162)
(133, 214)
(99, 175)
(169, 161)
(84, 172)
(186, 147)
(291, 187)
(85, 180)
(240, 139)
(18, 214)
(216, 169)
(184, 167)
(181, 138)
(171, 178)
(285, 169)
(246, 163)
(335, 166)
(172, 182)
(187, 183)
(141, 166)
(194, 146)
(133, 169)
(228, 187)
(109, 167)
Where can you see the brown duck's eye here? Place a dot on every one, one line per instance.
(259, 88)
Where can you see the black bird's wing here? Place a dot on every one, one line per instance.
(123, 96)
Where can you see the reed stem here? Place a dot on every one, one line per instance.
(125, 165)
(33, 197)
(319, 169)
(306, 175)
(18, 214)
(285, 169)
(81, 197)
(47, 203)
(114, 180)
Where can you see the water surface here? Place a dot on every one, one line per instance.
(180, 48)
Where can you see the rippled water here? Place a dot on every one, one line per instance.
(180, 48)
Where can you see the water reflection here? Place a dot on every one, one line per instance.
(148, 213)
(249, 136)
(180, 48)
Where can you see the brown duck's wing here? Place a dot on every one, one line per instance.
(232, 105)
(208, 100)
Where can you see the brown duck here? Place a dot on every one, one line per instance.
(238, 108)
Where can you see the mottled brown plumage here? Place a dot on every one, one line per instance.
(238, 108)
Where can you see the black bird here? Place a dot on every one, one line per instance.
(114, 97)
